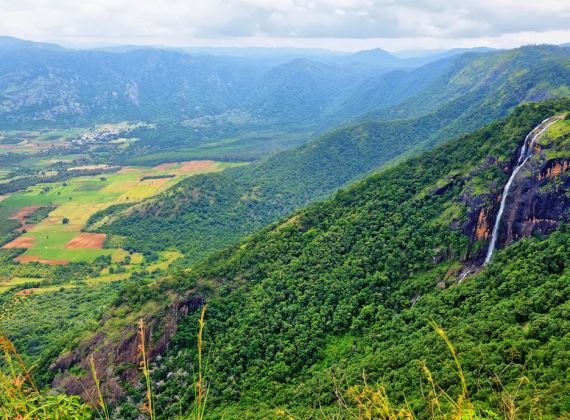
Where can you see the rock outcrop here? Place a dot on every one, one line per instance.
(538, 201)
(121, 367)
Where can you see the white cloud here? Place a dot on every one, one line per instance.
(349, 23)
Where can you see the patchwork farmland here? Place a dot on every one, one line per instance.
(58, 238)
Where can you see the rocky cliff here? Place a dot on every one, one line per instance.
(121, 366)
(539, 197)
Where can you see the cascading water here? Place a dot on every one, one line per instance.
(525, 155)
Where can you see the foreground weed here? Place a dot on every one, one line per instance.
(21, 399)
(201, 388)
(368, 402)
(102, 404)
(148, 407)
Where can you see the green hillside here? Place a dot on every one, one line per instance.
(298, 312)
(215, 211)
(332, 262)
(351, 284)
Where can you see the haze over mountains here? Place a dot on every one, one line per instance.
(47, 84)
(326, 213)
(419, 109)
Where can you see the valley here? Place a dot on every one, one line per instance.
(48, 220)
(293, 234)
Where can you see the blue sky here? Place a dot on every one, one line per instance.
(332, 24)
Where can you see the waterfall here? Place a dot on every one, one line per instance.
(525, 155)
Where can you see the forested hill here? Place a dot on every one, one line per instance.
(350, 285)
(297, 312)
(46, 85)
(498, 79)
(209, 212)
(483, 83)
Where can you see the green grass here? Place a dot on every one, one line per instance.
(166, 258)
(79, 198)
(6, 285)
(557, 140)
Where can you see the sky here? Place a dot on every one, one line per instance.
(346, 25)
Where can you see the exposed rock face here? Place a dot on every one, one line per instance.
(554, 168)
(479, 223)
(538, 202)
(121, 366)
(483, 228)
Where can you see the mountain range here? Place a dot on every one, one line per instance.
(44, 84)
(393, 242)
(213, 211)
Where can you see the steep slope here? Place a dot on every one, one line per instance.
(46, 86)
(385, 90)
(484, 83)
(214, 211)
(350, 284)
(492, 81)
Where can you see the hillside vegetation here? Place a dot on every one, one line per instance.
(330, 275)
(215, 211)
(350, 285)
(345, 288)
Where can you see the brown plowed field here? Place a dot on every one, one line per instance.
(87, 241)
(23, 212)
(21, 242)
(33, 258)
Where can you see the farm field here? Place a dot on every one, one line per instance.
(17, 281)
(58, 238)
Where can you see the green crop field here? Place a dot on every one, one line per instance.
(58, 238)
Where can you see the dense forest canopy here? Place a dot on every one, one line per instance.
(350, 284)
(290, 233)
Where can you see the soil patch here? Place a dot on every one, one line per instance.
(33, 258)
(87, 241)
(21, 242)
(21, 215)
(24, 212)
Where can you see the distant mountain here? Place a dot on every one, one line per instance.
(8, 43)
(490, 81)
(44, 84)
(210, 212)
(385, 90)
(371, 60)
(299, 90)
(438, 54)
(65, 87)
(264, 53)
(378, 59)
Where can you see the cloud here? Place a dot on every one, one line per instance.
(191, 21)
